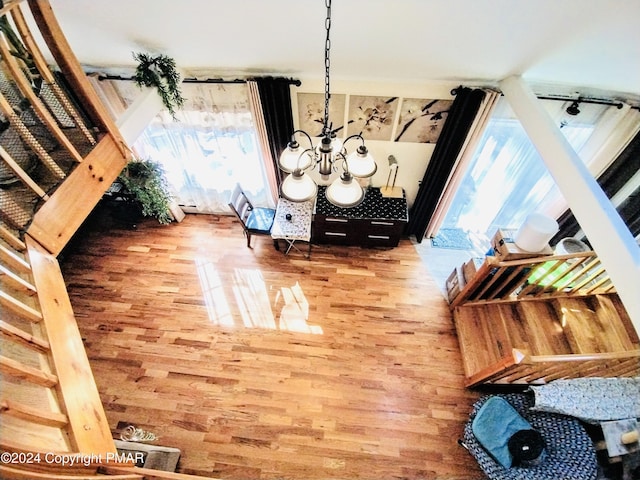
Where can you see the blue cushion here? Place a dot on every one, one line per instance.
(260, 220)
(493, 426)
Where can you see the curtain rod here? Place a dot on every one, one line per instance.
(597, 101)
(566, 98)
(292, 81)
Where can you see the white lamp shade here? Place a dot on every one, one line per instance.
(298, 187)
(336, 144)
(360, 164)
(344, 192)
(292, 158)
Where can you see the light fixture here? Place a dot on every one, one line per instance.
(329, 156)
(573, 109)
(390, 190)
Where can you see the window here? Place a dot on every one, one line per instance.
(507, 180)
(210, 148)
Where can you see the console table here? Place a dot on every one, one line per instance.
(376, 222)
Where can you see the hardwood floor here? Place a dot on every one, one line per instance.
(264, 366)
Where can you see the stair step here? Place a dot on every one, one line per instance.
(612, 304)
(581, 325)
(542, 329)
(482, 334)
(593, 324)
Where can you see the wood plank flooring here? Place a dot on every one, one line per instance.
(264, 366)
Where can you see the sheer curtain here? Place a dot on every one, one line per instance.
(452, 139)
(211, 147)
(463, 161)
(263, 139)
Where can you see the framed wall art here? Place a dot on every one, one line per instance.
(372, 117)
(311, 112)
(421, 120)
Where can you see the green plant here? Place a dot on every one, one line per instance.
(160, 72)
(144, 181)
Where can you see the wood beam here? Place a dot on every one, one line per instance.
(12, 240)
(607, 232)
(16, 282)
(59, 218)
(19, 308)
(88, 425)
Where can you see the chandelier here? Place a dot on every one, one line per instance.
(329, 156)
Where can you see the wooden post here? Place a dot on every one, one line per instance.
(600, 221)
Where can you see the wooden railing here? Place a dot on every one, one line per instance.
(521, 368)
(568, 275)
(539, 319)
(59, 153)
(56, 161)
(58, 156)
(49, 398)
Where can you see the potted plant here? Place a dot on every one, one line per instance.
(145, 187)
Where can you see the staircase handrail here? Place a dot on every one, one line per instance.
(500, 281)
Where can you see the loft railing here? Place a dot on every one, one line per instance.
(521, 368)
(59, 152)
(59, 148)
(564, 307)
(568, 275)
(49, 399)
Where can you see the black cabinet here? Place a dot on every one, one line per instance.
(376, 222)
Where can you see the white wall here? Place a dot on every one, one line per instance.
(412, 158)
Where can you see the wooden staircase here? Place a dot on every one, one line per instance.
(58, 155)
(531, 332)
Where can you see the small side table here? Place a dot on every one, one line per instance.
(293, 223)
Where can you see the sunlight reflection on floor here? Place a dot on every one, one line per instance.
(249, 290)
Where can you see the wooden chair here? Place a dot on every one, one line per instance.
(254, 220)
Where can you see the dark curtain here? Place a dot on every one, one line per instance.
(276, 106)
(463, 112)
(612, 180)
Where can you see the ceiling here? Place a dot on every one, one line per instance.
(576, 46)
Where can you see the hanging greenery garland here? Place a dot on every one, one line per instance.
(160, 72)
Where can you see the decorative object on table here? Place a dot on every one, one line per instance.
(526, 447)
(160, 72)
(621, 436)
(145, 186)
(329, 156)
(134, 434)
(391, 191)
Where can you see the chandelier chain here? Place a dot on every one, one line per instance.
(327, 156)
(327, 64)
